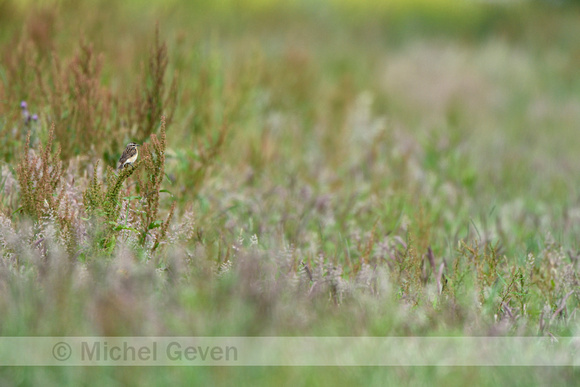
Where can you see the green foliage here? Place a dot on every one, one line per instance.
(93, 197)
(105, 203)
(306, 169)
(111, 200)
(96, 197)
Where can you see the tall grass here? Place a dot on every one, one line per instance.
(305, 169)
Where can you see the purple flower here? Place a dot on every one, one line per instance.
(35, 117)
(23, 105)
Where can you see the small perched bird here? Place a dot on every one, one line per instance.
(129, 155)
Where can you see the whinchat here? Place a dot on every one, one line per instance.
(129, 155)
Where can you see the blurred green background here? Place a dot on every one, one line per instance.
(322, 132)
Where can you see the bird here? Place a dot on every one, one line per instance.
(129, 155)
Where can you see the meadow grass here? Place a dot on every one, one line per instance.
(335, 168)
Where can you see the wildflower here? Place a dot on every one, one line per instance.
(26, 114)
